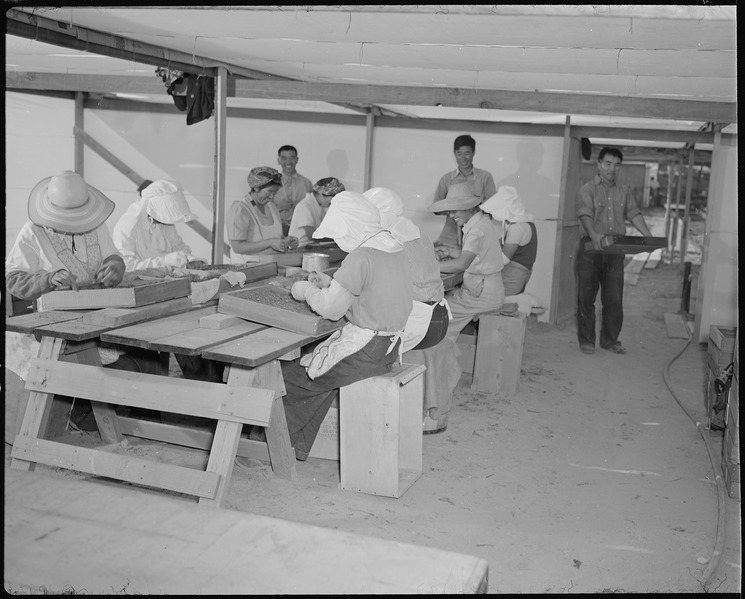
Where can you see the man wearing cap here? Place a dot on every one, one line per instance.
(309, 213)
(146, 233)
(294, 186)
(519, 238)
(480, 261)
(254, 223)
(481, 182)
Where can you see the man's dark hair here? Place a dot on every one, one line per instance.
(612, 151)
(464, 140)
(287, 149)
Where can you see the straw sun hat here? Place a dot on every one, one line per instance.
(66, 203)
(459, 197)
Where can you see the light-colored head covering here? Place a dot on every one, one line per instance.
(391, 210)
(263, 175)
(459, 197)
(352, 221)
(506, 205)
(66, 203)
(166, 202)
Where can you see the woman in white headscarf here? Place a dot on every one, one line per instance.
(372, 291)
(519, 238)
(146, 233)
(424, 336)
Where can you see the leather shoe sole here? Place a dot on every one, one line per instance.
(587, 348)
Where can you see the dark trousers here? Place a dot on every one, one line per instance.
(595, 271)
(307, 400)
(438, 327)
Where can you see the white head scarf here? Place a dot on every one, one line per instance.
(506, 205)
(352, 221)
(166, 202)
(391, 210)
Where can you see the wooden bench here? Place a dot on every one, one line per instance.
(231, 406)
(499, 353)
(90, 537)
(380, 432)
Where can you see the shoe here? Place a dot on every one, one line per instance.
(430, 426)
(616, 348)
(587, 348)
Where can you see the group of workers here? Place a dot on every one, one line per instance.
(388, 288)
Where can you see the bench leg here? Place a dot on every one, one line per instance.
(37, 415)
(269, 376)
(222, 456)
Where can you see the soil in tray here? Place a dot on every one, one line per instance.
(277, 297)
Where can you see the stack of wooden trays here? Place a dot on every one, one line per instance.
(720, 355)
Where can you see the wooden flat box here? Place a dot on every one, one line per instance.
(380, 427)
(723, 337)
(467, 346)
(499, 353)
(275, 306)
(718, 358)
(253, 271)
(128, 295)
(630, 244)
(731, 473)
(326, 445)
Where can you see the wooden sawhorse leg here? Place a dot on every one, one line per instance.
(269, 376)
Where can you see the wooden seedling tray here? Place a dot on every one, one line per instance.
(275, 306)
(128, 295)
(253, 272)
(630, 244)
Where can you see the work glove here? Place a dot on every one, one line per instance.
(299, 288)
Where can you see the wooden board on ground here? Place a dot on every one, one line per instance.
(275, 306)
(145, 543)
(128, 295)
(677, 327)
(654, 259)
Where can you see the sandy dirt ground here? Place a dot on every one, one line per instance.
(590, 479)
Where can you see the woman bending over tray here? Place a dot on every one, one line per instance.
(372, 289)
(66, 245)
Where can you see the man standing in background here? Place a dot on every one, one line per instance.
(294, 186)
(603, 206)
(482, 182)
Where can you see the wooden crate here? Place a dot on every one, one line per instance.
(731, 473)
(499, 353)
(128, 295)
(467, 346)
(380, 426)
(723, 337)
(720, 349)
(275, 306)
(326, 445)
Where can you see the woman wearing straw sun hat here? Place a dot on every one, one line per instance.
(146, 234)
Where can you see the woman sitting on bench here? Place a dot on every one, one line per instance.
(372, 289)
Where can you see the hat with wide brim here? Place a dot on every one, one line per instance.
(66, 203)
(459, 197)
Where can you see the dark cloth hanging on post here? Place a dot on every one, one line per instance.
(198, 99)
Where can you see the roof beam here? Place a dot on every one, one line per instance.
(581, 104)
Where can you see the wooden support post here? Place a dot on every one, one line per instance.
(218, 200)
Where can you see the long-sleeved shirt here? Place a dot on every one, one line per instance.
(609, 206)
(294, 189)
(149, 245)
(38, 253)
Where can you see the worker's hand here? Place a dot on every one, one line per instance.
(176, 259)
(277, 244)
(196, 264)
(290, 243)
(597, 241)
(111, 273)
(445, 252)
(299, 288)
(320, 279)
(62, 278)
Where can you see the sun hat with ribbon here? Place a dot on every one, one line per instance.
(66, 203)
(353, 221)
(459, 197)
(166, 202)
(263, 175)
(506, 205)
(391, 209)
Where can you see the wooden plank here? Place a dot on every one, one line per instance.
(196, 340)
(259, 348)
(152, 391)
(127, 295)
(274, 306)
(676, 326)
(636, 263)
(723, 337)
(630, 279)
(654, 259)
(218, 321)
(28, 323)
(222, 457)
(119, 317)
(120, 467)
(160, 545)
